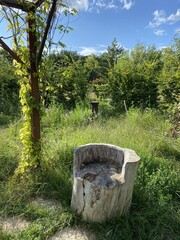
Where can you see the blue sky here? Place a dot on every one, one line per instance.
(129, 21)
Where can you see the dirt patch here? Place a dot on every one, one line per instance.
(46, 203)
(73, 234)
(13, 223)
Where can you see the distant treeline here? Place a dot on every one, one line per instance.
(142, 77)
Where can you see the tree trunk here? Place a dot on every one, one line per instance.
(103, 179)
(34, 80)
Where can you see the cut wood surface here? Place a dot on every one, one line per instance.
(103, 179)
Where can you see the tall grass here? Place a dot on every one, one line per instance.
(155, 207)
(56, 116)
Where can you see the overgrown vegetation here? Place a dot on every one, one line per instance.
(138, 109)
(9, 88)
(156, 201)
(151, 80)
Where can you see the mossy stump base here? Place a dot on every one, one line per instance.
(103, 179)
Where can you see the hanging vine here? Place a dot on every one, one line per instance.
(32, 25)
(31, 150)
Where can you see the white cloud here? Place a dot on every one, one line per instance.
(99, 4)
(104, 4)
(161, 47)
(127, 4)
(102, 46)
(111, 5)
(159, 32)
(161, 18)
(178, 31)
(173, 18)
(78, 4)
(85, 51)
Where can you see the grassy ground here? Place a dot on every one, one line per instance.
(155, 211)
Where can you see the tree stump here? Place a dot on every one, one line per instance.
(103, 179)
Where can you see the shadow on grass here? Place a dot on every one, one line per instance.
(154, 213)
(149, 223)
(57, 185)
(168, 151)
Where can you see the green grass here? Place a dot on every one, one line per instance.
(155, 211)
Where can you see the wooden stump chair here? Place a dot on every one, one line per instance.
(103, 179)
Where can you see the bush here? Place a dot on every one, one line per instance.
(135, 85)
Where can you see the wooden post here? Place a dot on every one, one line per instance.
(32, 41)
(94, 105)
(103, 179)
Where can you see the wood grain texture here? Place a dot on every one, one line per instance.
(103, 179)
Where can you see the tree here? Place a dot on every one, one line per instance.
(32, 24)
(64, 58)
(136, 85)
(66, 85)
(92, 67)
(113, 53)
(64, 79)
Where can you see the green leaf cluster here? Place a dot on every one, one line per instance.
(146, 77)
(9, 87)
(31, 150)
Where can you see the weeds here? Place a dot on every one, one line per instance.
(154, 214)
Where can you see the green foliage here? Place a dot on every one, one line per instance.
(31, 150)
(169, 86)
(33, 20)
(174, 120)
(92, 67)
(169, 78)
(4, 120)
(9, 87)
(135, 85)
(57, 116)
(106, 110)
(9, 153)
(67, 86)
(113, 53)
(64, 58)
(151, 79)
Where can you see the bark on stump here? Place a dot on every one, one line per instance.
(103, 179)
